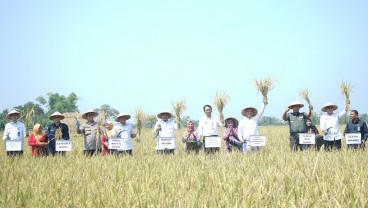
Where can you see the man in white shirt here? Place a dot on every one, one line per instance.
(14, 130)
(329, 123)
(248, 126)
(164, 129)
(209, 126)
(124, 131)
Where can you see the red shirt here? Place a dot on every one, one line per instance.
(34, 144)
(104, 145)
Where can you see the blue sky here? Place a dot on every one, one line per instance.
(147, 54)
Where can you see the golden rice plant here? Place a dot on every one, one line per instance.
(28, 114)
(264, 86)
(220, 101)
(140, 117)
(179, 107)
(304, 93)
(345, 89)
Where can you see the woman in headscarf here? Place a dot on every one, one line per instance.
(37, 141)
(191, 138)
(230, 135)
(108, 133)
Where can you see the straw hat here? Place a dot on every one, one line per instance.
(255, 111)
(162, 112)
(295, 102)
(334, 107)
(122, 115)
(236, 122)
(84, 115)
(56, 114)
(12, 112)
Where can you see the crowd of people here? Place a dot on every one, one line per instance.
(237, 135)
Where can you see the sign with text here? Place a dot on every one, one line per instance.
(166, 133)
(14, 145)
(63, 145)
(307, 139)
(212, 141)
(353, 138)
(166, 143)
(257, 140)
(116, 143)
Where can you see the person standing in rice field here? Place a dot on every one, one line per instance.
(165, 126)
(312, 129)
(91, 133)
(356, 125)
(191, 138)
(329, 124)
(56, 131)
(248, 126)
(107, 133)
(209, 126)
(124, 131)
(37, 141)
(296, 122)
(14, 130)
(230, 135)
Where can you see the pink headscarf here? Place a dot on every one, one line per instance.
(190, 129)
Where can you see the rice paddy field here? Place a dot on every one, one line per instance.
(273, 177)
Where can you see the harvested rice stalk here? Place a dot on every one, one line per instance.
(140, 117)
(264, 86)
(221, 100)
(304, 93)
(346, 88)
(179, 107)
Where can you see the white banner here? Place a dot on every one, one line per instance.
(166, 134)
(14, 145)
(257, 140)
(307, 139)
(63, 145)
(212, 141)
(166, 143)
(116, 143)
(353, 138)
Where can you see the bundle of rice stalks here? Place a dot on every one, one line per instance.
(264, 86)
(27, 116)
(346, 89)
(304, 93)
(140, 118)
(179, 107)
(221, 100)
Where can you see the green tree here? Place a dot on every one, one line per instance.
(110, 112)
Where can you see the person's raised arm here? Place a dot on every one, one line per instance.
(285, 115)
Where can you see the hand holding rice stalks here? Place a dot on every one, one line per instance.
(140, 117)
(346, 89)
(304, 93)
(221, 100)
(179, 107)
(264, 86)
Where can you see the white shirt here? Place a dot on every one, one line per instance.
(209, 126)
(167, 128)
(248, 127)
(15, 131)
(331, 122)
(124, 132)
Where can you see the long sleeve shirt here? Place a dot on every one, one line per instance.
(330, 124)
(167, 129)
(91, 139)
(248, 127)
(124, 132)
(14, 131)
(357, 126)
(50, 136)
(35, 146)
(209, 126)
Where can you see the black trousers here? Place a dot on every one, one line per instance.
(330, 145)
(89, 152)
(165, 151)
(118, 153)
(14, 153)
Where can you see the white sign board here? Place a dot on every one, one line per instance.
(115, 143)
(307, 139)
(212, 141)
(166, 143)
(166, 133)
(63, 145)
(14, 145)
(353, 138)
(257, 140)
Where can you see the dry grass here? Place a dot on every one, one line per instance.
(27, 117)
(179, 107)
(345, 89)
(264, 86)
(274, 177)
(140, 117)
(305, 94)
(220, 101)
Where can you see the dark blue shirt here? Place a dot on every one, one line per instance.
(51, 135)
(357, 126)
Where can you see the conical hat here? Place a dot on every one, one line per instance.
(84, 115)
(12, 112)
(122, 115)
(295, 102)
(255, 111)
(334, 107)
(236, 122)
(162, 112)
(56, 114)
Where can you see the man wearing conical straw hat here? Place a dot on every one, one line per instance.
(56, 131)
(90, 131)
(14, 130)
(329, 124)
(296, 122)
(249, 125)
(165, 125)
(124, 130)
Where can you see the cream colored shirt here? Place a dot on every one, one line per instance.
(331, 122)
(248, 127)
(209, 126)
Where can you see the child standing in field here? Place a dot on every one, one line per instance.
(164, 128)
(230, 135)
(108, 133)
(191, 138)
(37, 141)
(14, 130)
(124, 131)
(90, 131)
(56, 131)
(249, 126)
